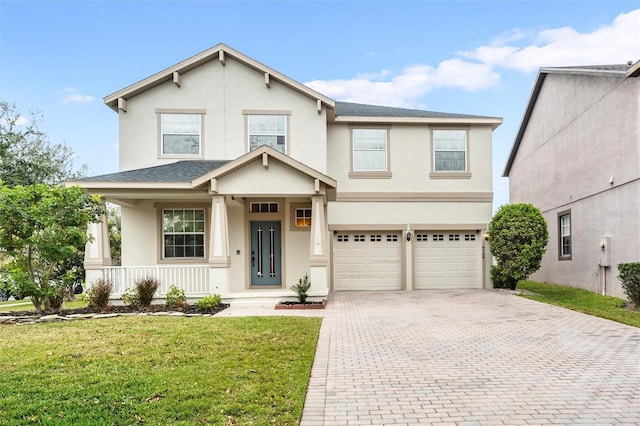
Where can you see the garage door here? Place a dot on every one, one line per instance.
(368, 261)
(447, 260)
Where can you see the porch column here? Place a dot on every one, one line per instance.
(219, 260)
(97, 252)
(318, 250)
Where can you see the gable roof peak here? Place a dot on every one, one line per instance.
(220, 51)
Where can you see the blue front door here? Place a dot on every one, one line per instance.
(265, 253)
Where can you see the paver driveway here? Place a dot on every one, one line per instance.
(470, 358)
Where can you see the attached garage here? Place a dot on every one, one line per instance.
(447, 260)
(368, 261)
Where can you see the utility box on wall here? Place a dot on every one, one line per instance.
(605, 248)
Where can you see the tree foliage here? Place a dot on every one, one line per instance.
(518, 239)
(42, 229)
(114, 220)
(629, 276)
(27, 156)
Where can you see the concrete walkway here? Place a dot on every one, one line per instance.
(468, 358)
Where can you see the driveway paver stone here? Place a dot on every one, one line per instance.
(469, 358)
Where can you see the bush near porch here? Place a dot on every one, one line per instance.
(580, 300)
(157, 370)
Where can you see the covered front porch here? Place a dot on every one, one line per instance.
(229, 232)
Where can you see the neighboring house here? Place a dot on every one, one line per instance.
(577, 157)
(238, 180)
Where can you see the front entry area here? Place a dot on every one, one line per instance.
(266, 264)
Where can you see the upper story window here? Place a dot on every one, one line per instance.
(369, 150)
(449, 151)
(564, 235)
(270, 130)
(181, 134)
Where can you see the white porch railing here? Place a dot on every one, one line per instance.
(193, 279)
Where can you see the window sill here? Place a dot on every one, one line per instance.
(450, 175)
(181, 156)
(563, 258)
(183, 261)
(370, 175)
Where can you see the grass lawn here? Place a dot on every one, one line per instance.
(581, 300)
(26, 305)
(157, 370)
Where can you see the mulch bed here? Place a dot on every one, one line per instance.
(305, 305)
(119, 309)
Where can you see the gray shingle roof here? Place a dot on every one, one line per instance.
(361, 110)
(613, 67)
(180, 171)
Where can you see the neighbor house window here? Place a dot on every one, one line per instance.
(270, 130)
(564, 234)
(369, 150)
(303, 218)
(180, 134)
(183, 233)
(450, 150)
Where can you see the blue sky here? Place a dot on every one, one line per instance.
(474, 57)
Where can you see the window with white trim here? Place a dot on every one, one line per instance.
(369, 150)
(270, 130)
(449, 150)
(180, 134)
(183, 233)
(564, 234)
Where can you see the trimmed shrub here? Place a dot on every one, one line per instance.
(176, 297)
(629, 276)
(209, 302)
(302, 288)
(146, 289)
(518, 238)
(98, 295)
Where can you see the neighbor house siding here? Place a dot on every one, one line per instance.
(581, 152)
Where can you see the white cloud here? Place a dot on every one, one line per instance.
(477, 69)
(407, 87)
(610, 44)
(71, 96)
(22, 121)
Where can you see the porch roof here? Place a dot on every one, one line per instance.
(180, 171)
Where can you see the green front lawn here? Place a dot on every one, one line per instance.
(157, 370)
(580, 300)
(26, 305)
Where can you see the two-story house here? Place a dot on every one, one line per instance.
(576, 157)
(237, 180)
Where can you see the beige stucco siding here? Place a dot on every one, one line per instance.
(402, 213)
(223, 93)
(410, 157)
(140, 235)
(277, 178)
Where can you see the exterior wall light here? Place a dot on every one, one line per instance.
(408, 235)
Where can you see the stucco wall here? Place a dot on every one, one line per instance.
(584, 131)
(224, 92)
(612, 214)
(402, 213)
(410, 154)
(139, 235)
